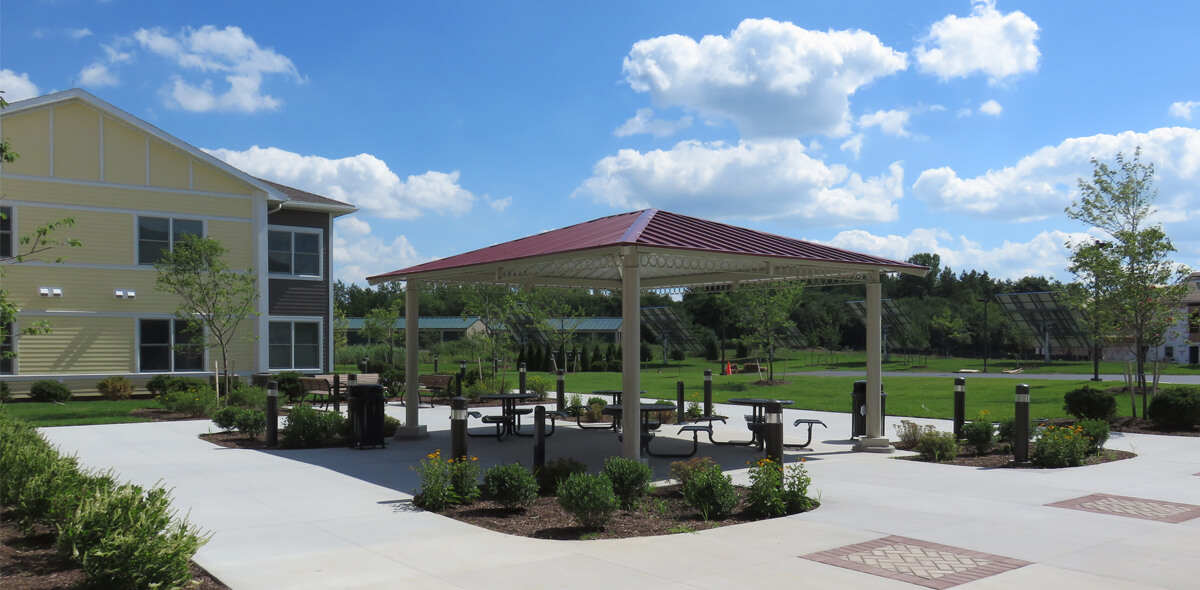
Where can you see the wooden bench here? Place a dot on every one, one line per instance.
(318, 388)
(434, 385)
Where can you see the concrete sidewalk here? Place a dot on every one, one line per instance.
(339, 518)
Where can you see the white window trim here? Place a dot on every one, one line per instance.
(293, 229)
(137, 348)
(137, 234)
(292, 321)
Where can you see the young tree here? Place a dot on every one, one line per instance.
(948, 328)
(552, 312)
(214, 298)
(379, 325)
(765, 313)
(1136, 286)
(492, 304)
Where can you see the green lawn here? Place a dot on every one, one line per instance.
(926, 397)
(76, 413)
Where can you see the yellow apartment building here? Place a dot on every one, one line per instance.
(133, 190)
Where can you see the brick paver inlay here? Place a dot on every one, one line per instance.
(1132, 507)
(917, 562)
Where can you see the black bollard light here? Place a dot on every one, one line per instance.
(1021, 430)
(707, 393)
(960, 405)
(458, 428)
(561, 391)
(272, 414)
(435, 364)
(773, 431)
(539, 437)
(495, 365)
(679, 407)
(521, 378)
(462, 374)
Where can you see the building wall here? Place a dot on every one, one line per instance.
(305, 298)
(79, 162)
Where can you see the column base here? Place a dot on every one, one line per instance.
(874, 445)
(411, 432)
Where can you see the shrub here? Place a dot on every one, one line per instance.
(711, 492)
(677, 355)
(392, 381)
(937, 446)
(775, 491)
(49, 391)
(1087, 403)
(511, 486)
(126, 538)
(115, 388)
(555, 472)
(910, 432)
(1175, 408)
(682, 471)
(289, 386)
(711, 351)
(1097, 433)
(250, 422)
(247, 396)
(1006, 432)
(538, 385)
(5, 392)
(162, 384)
(574, 405)
(446, 481)
(390, 425)
(979, 433)
(306, 427)
(479, 387)
(630, 479)
(226, 418)
(1060, 446)
(588, 498)
(198, 401)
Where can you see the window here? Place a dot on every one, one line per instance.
(166, 346)
(6, 349)
(294, 253)
(295, 345)
(7, 243)
(157, 234)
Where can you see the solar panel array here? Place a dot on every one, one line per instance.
(1039, 313)
(671, 328)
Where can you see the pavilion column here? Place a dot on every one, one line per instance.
(412, 427)
(874, 439)
(631, 354)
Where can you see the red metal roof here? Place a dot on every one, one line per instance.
(651, 227)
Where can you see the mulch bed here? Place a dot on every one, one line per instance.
(30, 562)
(663, 512)
(1003, 459)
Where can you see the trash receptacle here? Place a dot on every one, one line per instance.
(858, 410)
(365, 405)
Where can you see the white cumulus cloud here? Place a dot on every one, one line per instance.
(1043, 184)
(97, 75)
(1043, 255)
(853, 145)
(771, 78)
(363, 180)
(752, 180)
(891, 122)
(357, 254)
(988, 42)
(227, 52)
(991, 107)
(79, 33)
(16, 86)
(643, 121)
(1183, 109)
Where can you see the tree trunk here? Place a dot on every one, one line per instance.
(1141, 373)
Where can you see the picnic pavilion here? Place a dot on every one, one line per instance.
(651, 250)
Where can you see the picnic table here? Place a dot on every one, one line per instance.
(648, 425)
(510, 415)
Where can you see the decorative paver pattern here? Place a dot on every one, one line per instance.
(1132, 507)
(917, 562)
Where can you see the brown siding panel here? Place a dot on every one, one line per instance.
(299, 298)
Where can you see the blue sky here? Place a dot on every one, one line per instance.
(893, 128)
